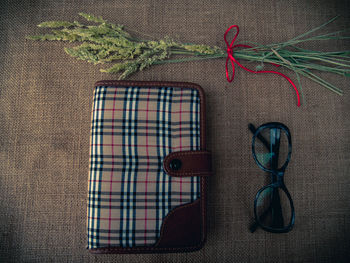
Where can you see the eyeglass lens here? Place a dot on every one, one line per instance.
(273, 208)
(271, 148)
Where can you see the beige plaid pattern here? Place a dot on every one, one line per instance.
(129, 193)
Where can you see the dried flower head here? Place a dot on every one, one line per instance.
(106, 42)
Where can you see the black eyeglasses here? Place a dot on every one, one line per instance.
(273, 205)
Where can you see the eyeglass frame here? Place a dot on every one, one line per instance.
(277, 176)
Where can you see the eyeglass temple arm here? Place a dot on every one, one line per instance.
(252, 128)
(277, 215)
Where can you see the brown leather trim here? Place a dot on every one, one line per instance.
(191, 163)
(203, 199)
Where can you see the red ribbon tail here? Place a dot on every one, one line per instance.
(233, 61)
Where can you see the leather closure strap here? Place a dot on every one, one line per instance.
(188, 163)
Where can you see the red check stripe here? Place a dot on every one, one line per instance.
(146, 110)
(138, 145)
(180, 142)
(117, 218)
(147, 169)
(139, 181)
(112, 172)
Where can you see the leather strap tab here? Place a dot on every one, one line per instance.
(188, 163)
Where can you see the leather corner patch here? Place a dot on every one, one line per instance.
(182, 227)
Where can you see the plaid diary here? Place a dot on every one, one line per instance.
(133, 129)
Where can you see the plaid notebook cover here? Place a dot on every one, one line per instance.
(133, 129)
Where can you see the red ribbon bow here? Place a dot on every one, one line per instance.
(230, 58)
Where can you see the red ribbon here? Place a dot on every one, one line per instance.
(230, 57)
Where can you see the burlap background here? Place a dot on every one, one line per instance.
(45, 103)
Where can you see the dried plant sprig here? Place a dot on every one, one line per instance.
(110, 43)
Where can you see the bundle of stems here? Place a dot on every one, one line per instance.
(110, 43)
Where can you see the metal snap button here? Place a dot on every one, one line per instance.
(175, 164)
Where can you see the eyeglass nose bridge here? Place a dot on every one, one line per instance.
(279, 177)
(279, 173)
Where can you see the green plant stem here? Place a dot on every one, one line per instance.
(321, 59)
(175, 52)
(190, 59)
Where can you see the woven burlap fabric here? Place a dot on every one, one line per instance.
(45, 106)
